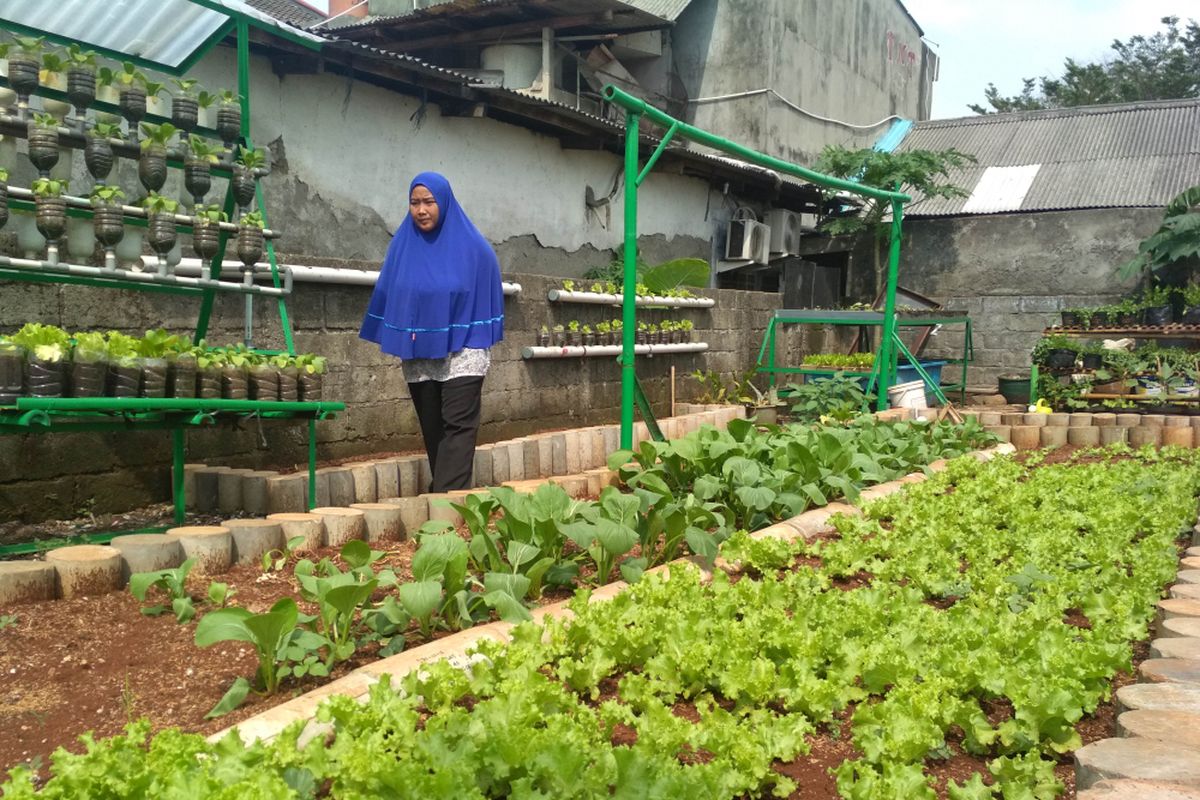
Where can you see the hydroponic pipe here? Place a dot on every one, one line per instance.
(305, 274)
(103, 273)
(606, 299)
(611, 350)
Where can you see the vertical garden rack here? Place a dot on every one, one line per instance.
(890, 346)
(213, 21)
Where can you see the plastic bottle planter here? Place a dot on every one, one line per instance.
(12, 369)
(160, 235)
(311, 385)
(289, 389)
(197, 177)
(264, 382)
(43, 147)
(208, 383)
(229, 122)
(154, 377)
(108, 223)
(81, 89)
(51, 216)
(181, 377)
(152, 167)
(86, 376)
(98, 156)
(185, 113)
(1157, 315)
(23, 76)
(132, 101)
(243, 185)
(43, 378)
(233, 383)
(249, 244)
(3, 203)
(206, 237)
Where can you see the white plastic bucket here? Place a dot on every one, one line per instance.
(908, 395)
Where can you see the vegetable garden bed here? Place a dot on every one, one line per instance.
(94, 664)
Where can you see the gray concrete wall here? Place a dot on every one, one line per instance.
(857, 61)
(1014, 273)
(46, 476)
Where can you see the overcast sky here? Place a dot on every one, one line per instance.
(1001, 43)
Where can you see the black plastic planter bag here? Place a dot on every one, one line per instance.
(87, 378)
(310, 387)
(126, 378)
(154, 377)
(182, 378)
(43, 378)
(12, 374)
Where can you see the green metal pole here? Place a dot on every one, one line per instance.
(243, 57)
(629, 301)
(887, 350)
(177, 452)
(312, 463)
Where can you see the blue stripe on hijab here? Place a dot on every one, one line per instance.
(437, 292)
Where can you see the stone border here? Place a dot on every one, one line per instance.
(1031, 431)
(457, 647)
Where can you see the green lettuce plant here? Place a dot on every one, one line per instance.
(43, 342)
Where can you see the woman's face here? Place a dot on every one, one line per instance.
(423, 208)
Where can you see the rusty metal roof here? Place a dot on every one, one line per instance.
(663, 9)
(1128, 155)
(289, 11)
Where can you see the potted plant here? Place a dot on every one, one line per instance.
(312, 371)
(642, 333)
(88, 369)
(124, 365)
(43, 142)
(687, 330)
(616, 326)
(204, 103)
(1127, 313)
(81, 79)
(264, 378)
(152, 165)
(97, 152)
(51, 208)
(574, 335)
(764, 407)
(24, 65)
(106, 93)
(154, 102)
(229, 116)
(560, 336)
(107, 216)
(1156, 305)
(160, 227)
(197, 166)
(131, 89)
(1056, 352)
(181, 369)
(54, 66)
(589, 337)
(184, 109)
(1191, 304)
(543, 337)
(1117, 375)
(206, 230)
(3, 196)
(244, 179)
(154, 348)
(1073, 317)
(250, 238)
(235, 361)
(12, 371)
(47, 347)
(653, 335)
(289, 377)
(604, 332)
(209, 363)
(1093, 356)
(568, 286)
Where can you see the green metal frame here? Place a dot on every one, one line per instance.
(635, 109)
(768, 363)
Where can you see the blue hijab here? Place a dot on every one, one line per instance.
(437, 292)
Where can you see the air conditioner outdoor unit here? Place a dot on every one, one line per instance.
(747, 240)
(785, 231)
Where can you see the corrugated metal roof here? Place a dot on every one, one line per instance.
(1130, 155)
(164, 32)
(289, 11)
(663, 9)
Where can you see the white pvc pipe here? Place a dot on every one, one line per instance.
(103, 273)
(339, 275)
(605, 299)
(612, 350)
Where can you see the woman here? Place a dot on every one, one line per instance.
(438, 307)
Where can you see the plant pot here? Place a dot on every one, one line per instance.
(23, 75)
(181, 378)
(1111, 387)
(29, 240)
(249, 244)
(589, 340)
(233, 383)
(1191, 316)
(1015, 388)
(1061, 358)
(12, 374)
(154, 377)
(1157, 315)
(765, 415)
(56, 108)
(3, 203)
(1070, 319)
(81, 239)
(264, 383)
(43, 147)
(289, 384)
(51, 216)
(574, 339)
(81, 89)
(43, 378)
(156, 106)
(208, 383)
(108, 223)
(87, 378)
(543, 340)
(229, 123)
(206, 239)
(125, 378)
(311, 386)
(152, 167)
(160, 234)
(560, 339)
(98, 156)
(185, 113)
(242, 184)
(132, 102)
(129, 250)
(197, 177)
(8, 98)
(640, 338)
(1092, 361)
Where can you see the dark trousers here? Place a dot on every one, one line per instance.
(449, 415)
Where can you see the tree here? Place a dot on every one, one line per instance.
(1177, 239)
(1165, 66)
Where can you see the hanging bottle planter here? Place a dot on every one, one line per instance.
(250, 239)
(243, 180)
(152, 166)
(52, 76)
(50, 209)
(206, 231)
(131, 84)
(81, 79)
(3, 196)
(43, 142)
(311, 369)
(185, 112)
(197, 166)
(160, 228)
(23, 67)
(108, 219)
(229, 117)
(97, 152)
